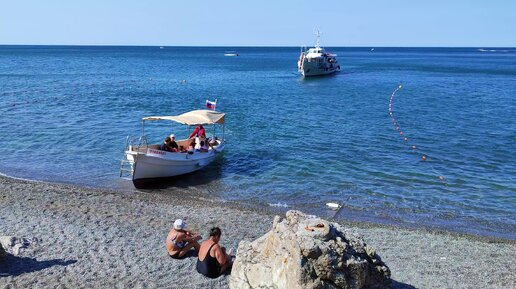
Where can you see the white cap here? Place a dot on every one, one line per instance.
(179, 224)
(172, 135)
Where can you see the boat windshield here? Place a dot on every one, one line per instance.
(315, 50)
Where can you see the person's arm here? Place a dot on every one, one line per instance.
(196, 130)
(171, 147)
(184, 238)
(190, 236)
(220, 255)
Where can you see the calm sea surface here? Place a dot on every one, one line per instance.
(291, 143)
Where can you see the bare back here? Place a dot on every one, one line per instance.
(174, 237)
(216, 252)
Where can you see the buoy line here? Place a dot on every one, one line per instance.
(402, 134)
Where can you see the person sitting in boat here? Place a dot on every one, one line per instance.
(204, 147)
(172, 144)
(213, 259)
(191, 146)
(199, 131)
(197, 143)
(211, 141)
(180, 240)
(165, 146)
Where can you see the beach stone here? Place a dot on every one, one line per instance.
(15, 245)
(2, 252)
(303, 251)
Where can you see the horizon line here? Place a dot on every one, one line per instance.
(251, 46)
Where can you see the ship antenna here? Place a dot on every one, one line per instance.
(318, 34)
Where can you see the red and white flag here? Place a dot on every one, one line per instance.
(211, 104)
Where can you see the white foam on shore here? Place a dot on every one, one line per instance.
(20, 179)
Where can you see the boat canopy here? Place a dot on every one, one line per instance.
(194, 117)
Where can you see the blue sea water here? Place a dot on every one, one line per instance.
(292, 143)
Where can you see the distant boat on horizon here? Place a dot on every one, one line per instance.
(230, 53)
(316, 61)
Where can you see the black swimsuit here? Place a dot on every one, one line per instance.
(209, 267)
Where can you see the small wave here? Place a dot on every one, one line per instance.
(279, 205)
(493, 50)
(20, 179)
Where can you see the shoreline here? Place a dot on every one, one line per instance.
(102, 237)
(274, 210)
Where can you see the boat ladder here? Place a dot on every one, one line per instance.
(127, 165)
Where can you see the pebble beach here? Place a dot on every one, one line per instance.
(95, 238)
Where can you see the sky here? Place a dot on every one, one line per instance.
(399, 23)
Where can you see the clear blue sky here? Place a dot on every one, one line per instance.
(259, 23)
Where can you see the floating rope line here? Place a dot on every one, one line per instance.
(424, 157)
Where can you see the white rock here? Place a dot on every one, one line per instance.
(304, 251)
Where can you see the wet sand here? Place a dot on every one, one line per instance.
(96, 238)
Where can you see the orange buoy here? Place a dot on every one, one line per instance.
(423, 157)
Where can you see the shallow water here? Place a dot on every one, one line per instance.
(291, 143)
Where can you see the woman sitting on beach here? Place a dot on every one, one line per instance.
(180, 240)
(213, 260)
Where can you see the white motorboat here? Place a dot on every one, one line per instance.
(146, 163)
(230, 53)
(316, 61)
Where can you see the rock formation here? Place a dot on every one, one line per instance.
(301, 252)
(15, 245)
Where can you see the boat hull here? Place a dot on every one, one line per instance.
(156, 164)
(315, 69)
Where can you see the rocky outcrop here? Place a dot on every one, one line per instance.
(302, 251)
(15, 245)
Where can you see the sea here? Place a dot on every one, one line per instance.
(438, 153)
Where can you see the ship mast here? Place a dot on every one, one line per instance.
(318, 34)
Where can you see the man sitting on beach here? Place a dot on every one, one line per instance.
(180, 240)
(213, 259)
